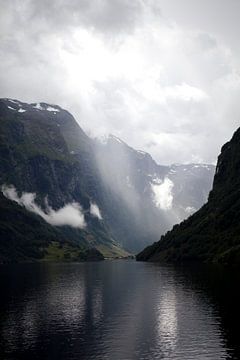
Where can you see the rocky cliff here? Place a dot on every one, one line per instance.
(98, 194)
(213, 233)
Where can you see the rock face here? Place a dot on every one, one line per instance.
(127, 199)
(213, 233)
(44, 151)
(154, 197)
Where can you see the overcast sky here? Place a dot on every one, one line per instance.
(163, 75)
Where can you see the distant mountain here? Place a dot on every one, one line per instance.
(213, 233)
(95, 194)
(152, 198)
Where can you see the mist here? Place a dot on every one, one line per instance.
(117, 172)
(162, 194)
(139, 185)
(95, 211)
(71, 214)
(154, 197)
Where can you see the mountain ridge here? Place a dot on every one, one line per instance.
(44, 151)
(212, 233)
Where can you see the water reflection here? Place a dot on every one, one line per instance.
(167, 321)
(113, 310)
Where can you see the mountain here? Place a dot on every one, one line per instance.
(44, 151)
(153, 197)
(94, 194)
(213, 233)
(25, 236)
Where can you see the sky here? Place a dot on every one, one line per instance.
(163, 75)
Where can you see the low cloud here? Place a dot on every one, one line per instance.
(70, 214)
(162, 194)
(95, 211)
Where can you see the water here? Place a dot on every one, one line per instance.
(118, 310)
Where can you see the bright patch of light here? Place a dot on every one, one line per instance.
(95, 211)
(162, 194)
(70, 214)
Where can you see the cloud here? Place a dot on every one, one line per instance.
(162, 194)
(95, 211)
(149, 75)
(70, 214)
(104, 16)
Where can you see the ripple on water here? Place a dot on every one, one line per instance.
(112, 310)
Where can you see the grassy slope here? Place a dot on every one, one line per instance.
(23, 235)
(26, 237)
(36, 156)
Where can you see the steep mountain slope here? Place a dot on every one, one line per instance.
(212, 233)
(26, 236)
(44, 151)
(15, 223)
(126, 198)
(153, 197)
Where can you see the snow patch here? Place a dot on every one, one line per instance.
(203, 166)
(38, 106)
(141, 152)
(50, 108)
(13, 101)
(11, 108)
(71, 214)
(162, 194)
(105, 138)
(116, 139)
(21, 110)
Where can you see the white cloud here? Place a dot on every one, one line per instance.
(95, 211)
(70, 214)
(185, 92)
(129, 69)
(162, 194)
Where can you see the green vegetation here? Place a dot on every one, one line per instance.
(24, 236)
(66, 252)
(213, 233)
(51, 156)
(60, 252)
(112, 251)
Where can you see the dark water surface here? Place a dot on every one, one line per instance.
(118, 310)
